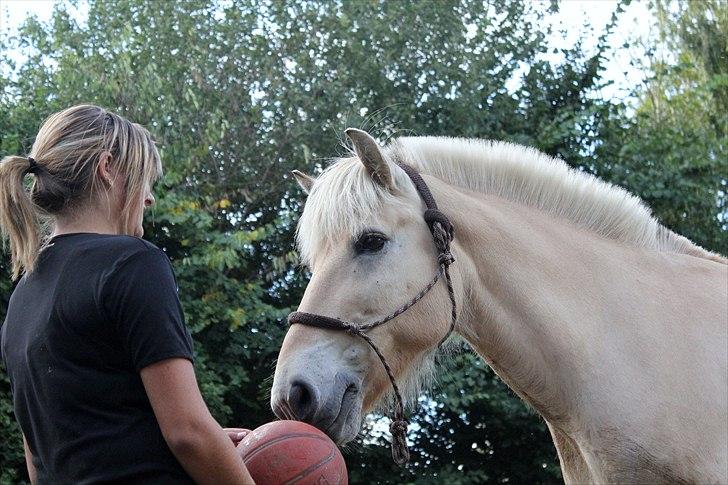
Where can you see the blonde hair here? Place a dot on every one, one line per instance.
(66, 154)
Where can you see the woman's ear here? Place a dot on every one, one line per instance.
(104, 170)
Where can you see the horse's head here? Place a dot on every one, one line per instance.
(363, 236)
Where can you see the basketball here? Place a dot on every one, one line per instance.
(292, 452)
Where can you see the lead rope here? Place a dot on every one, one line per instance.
(442, 233)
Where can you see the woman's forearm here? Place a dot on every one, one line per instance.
(208, 455)
(29, 462)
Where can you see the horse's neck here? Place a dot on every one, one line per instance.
(600, 338)
(527, 287)
(555, 309)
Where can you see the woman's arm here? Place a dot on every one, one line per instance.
(29, 462)
(196, 439)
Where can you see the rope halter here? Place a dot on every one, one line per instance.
(442, 233)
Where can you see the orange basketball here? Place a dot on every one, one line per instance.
(292, 452)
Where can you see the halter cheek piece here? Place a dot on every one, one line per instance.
(442, 233)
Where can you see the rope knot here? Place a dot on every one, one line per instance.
(400, 452)
(353, 330)
(446, 258)
(398, 426)
(434, 216)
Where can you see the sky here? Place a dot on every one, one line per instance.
(634, 22)
(13, 12)
(571, 18)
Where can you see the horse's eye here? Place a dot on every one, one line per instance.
(370, 242)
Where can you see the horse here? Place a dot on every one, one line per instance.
(611, 326)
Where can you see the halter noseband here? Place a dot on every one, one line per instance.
(442, 233)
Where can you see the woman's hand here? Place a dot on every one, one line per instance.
(236, 434)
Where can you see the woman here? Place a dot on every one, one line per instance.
(94, 342)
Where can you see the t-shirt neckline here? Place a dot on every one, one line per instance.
(70, 234)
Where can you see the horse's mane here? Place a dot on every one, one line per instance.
(344, 195)
(527, 176)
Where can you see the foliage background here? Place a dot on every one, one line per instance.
(238, 93)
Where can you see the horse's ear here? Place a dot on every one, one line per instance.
(368, 152)
(305, 181)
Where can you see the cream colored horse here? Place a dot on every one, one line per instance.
(611, 326)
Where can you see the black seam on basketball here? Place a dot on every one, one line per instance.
(310, 469)
(268, 444)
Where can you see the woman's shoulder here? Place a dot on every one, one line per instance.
(106, 249)
(127, 259)
(131, 244)
(131, 248)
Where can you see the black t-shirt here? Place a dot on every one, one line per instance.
(79, 328)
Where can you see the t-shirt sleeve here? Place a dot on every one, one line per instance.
(140, 296)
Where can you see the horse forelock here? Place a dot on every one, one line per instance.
(343, 201)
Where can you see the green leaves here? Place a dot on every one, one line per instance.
(674, 151)
(239, 93)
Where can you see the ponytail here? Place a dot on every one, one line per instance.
(19, 220)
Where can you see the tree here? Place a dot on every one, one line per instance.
(673, 151)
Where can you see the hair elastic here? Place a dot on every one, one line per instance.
(32, 166)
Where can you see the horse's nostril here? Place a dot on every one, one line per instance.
(303, 400)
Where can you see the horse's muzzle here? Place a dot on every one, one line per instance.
(332, 405)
